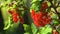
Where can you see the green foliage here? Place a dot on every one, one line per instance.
(25, 3)
(34, 28)
(55, 16)
(8, 1)
(36, 6)
(7, 24)
(27, 28)
(49, 4)
(27, 33)
(55, 21)
(48, 9)
(45, 30)
(12, 29)
(33, 1)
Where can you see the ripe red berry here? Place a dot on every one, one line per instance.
(15, 17)
(15, 20)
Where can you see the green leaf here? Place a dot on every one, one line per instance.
(27, 28)
(55, 21)
(9, 1)
(49, 9)
(34, 29)
(13, 28)
(49, 4)
(54, 16)
(7, 24)
(33, 1)
(25, 1)
(36, 7)
(27, 33)
(45, 30)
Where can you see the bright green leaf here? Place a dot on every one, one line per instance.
(34, 29)
(45, 30)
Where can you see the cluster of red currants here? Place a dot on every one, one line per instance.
(41, 18)
(15, 16)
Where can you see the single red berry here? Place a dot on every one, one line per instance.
(15, 20)
(15, 17)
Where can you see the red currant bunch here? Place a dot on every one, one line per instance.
(41, 18)
(15, 16)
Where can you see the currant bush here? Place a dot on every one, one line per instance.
(30, 16)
